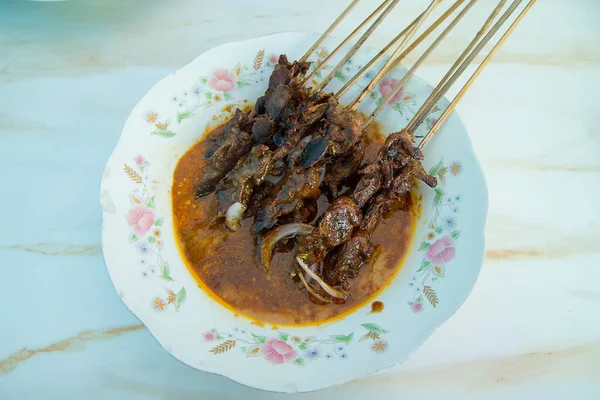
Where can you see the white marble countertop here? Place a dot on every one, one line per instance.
(70, 72)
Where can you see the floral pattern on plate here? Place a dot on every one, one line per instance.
(439, 242)
(132, 239)
(146, 232)
(285, 348)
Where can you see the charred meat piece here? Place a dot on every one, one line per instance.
(344, 167)
(344, 131)
(298, 123)
(262, 130)
(369, 184)
(349, 258)
(234, 142)
(259, 196)
(278, 101)
(335, 228)
(359, 249)
(336, 225)
(239, 121)
(223, 160)
(306, 212)
(395, 153)
(294, 188)
(400, 159)
(237, 186)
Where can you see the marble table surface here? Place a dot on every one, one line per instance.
(71, 71)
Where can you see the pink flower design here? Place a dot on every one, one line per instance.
(273, 59)
(140, 160)
(441, 252)
(386, 86)
(223, 80)
(140, 218)
(209, 336)
(277, 351)
(417, 307)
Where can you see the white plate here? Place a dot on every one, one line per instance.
(150, 276)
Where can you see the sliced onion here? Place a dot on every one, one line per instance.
(275, 235)
(234, 215)
(311, 290)
(332, 291)
(316, 268)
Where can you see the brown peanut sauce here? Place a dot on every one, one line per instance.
(224, 262)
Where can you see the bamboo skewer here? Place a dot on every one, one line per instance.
(394, 42)
(346, 40)
(325, 34)
(464, 55)
(418, 63)
(474, 76)
(483, 36)
(357, 46)
(384, 70)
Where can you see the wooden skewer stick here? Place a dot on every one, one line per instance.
(462, 57)
(325, 34)
(394, 42)
(474, 76)
(345, 41)
(420, 61)
(375, 59)
(357, 46)
(441, 89)
(385, 69)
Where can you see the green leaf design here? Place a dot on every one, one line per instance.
(151, 240)
(183, 115)
(424, 246)
(166, 273)
(208, 95)
(299, 361)
(439, 193)
(439, 230)
(133, 238)
(181, 296)
(343, 338)
(219, 337)
(283, 336)
(374, 328)
(319, 75)
(398, 107)
(158, 222)
(227, 96)
(339, 75)
(165, 133)
(203, 80)
(455, 234)
(424, 265)
(241, 84)
(150, 202)
(379, 101)
(303, 346)
(436, 168)
(259, 339)
(243, 349)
